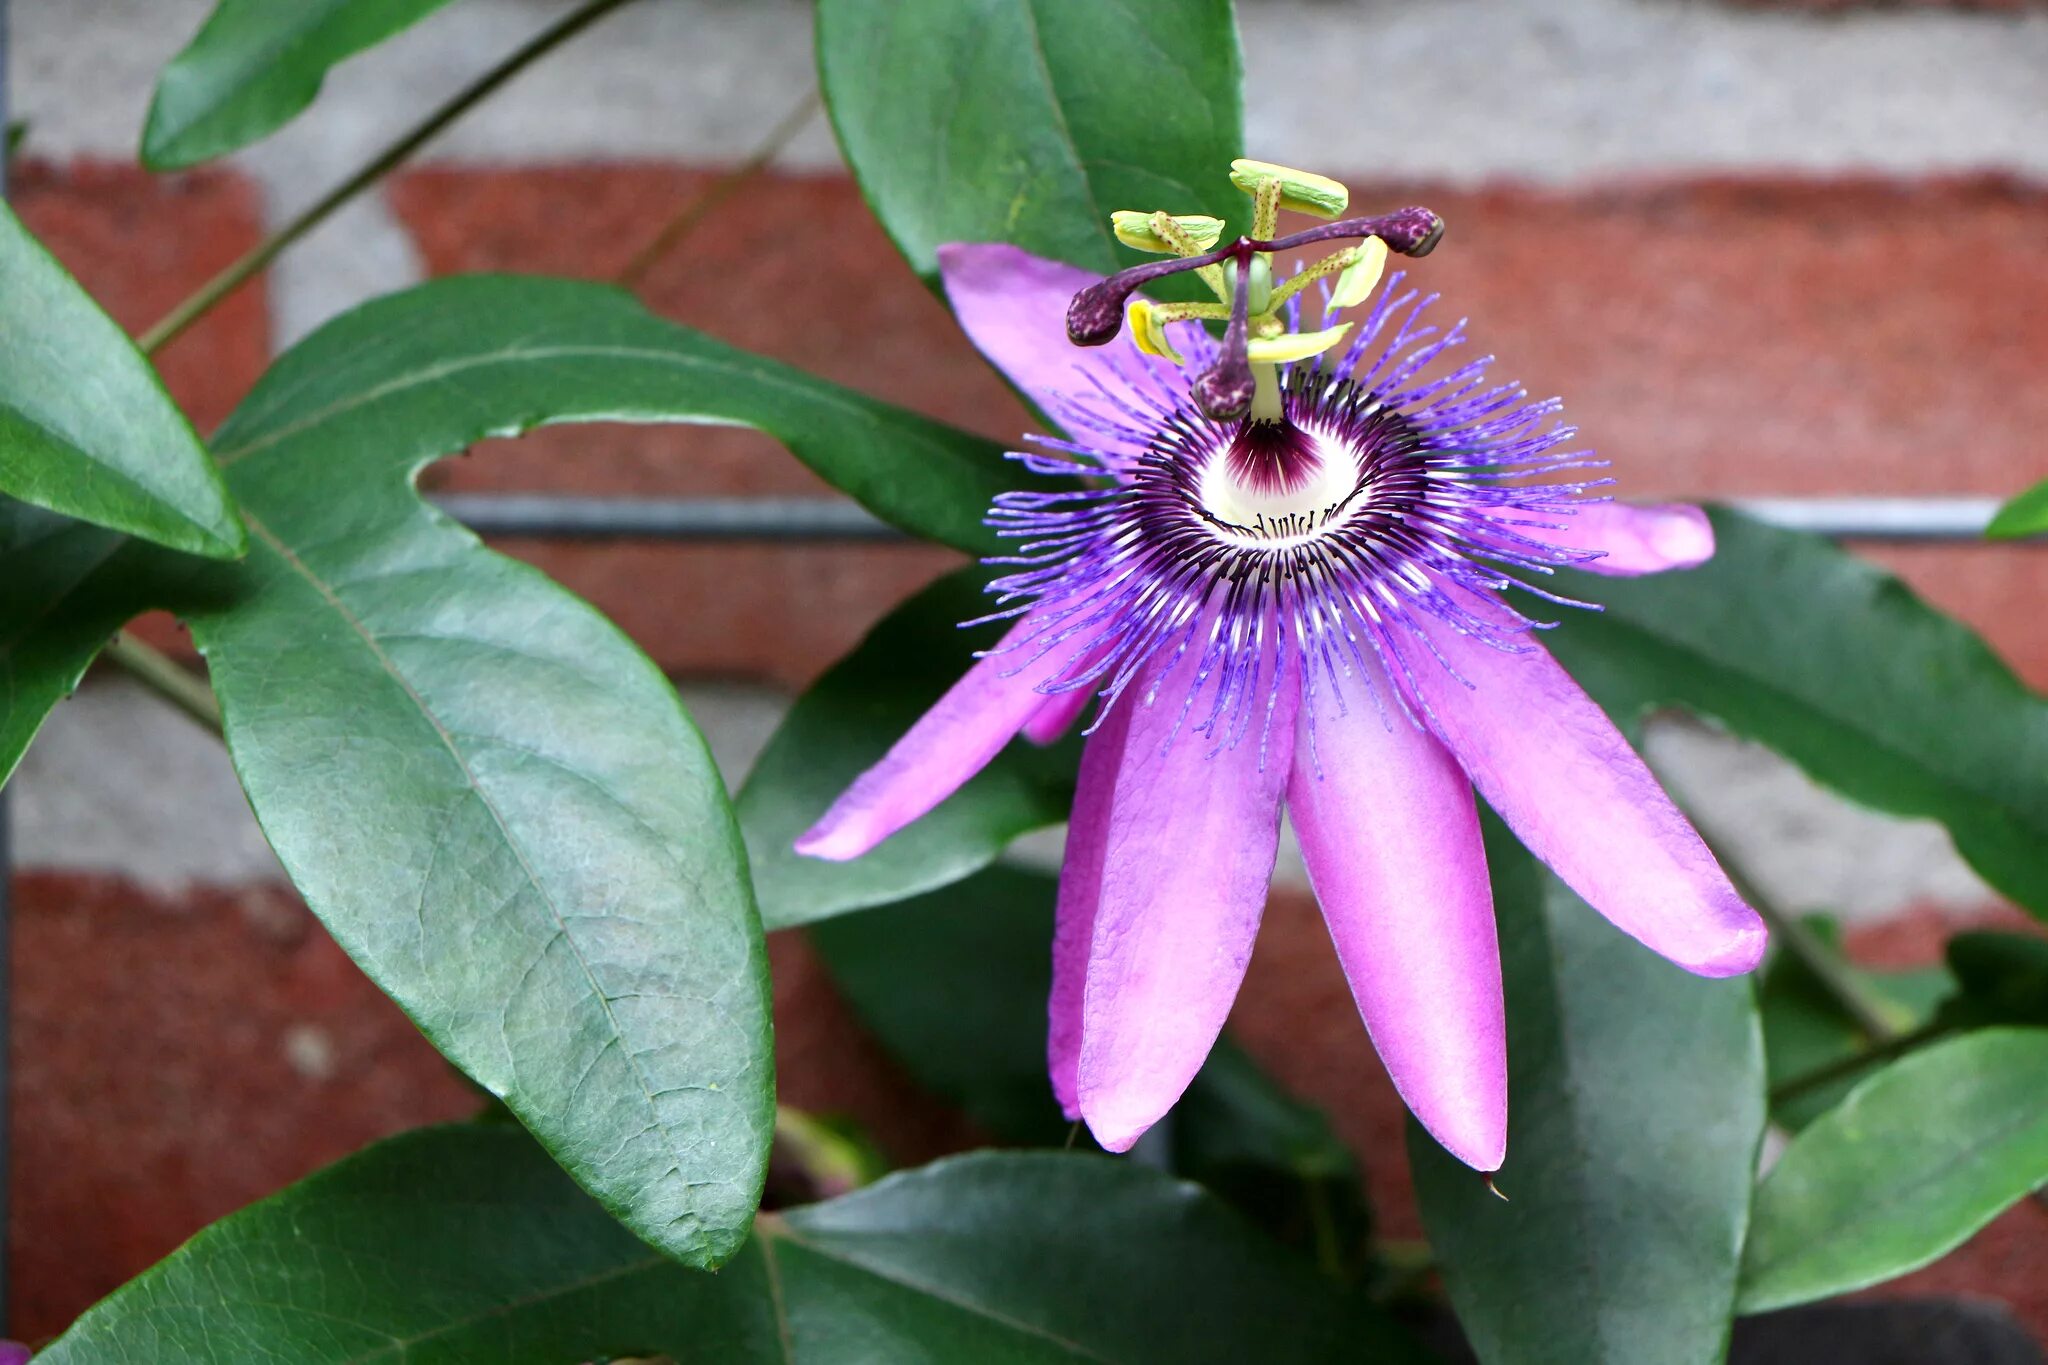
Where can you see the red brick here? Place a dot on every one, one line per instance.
(1712, 338)
(140, 244)
(153, 1090)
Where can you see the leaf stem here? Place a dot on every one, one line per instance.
(687, 219)
(165, 676)
(383, 163)
(1896, 1045)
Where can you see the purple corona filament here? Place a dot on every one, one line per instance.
(1303, 608)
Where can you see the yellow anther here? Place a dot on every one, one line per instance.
(1294, 346)
(1362, 276)
(1183, 235)
(1147, 331)
(1300, 191)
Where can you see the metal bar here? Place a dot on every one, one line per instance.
(575, 517)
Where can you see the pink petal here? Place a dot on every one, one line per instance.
(1636, 538)
(1013, 306)
(1058, 715)
(949, 744)
(1080, 893)
(1551, 762)
(1391, 837)
(1186, 848)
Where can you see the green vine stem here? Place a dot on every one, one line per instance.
(396, 154)
(687, 219)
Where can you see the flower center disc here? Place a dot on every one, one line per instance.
(1278, 483)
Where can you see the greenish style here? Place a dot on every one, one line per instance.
(954, 985)
(254, 66)
(1031, 121)
(2025, 515)
(488, 794)
(86, 428)
(848, 720)
(1806, 1028)
(1918, 1157)
(1635, 1111)
(1851, 676)
(465, 1246)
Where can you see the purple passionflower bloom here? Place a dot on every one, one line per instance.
(1303, 610)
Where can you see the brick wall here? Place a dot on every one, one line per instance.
(1758, 253)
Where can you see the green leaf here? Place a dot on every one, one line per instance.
(1918, 1157)
(494, 355)
(1030, 121)
(86, 428)
(954, 985)
(1635, 1111)
(492, 799)
(1806, 1028)
(1785, 639)
(2025, 515)
(461, 1245)
(846, 722)
(254, 66)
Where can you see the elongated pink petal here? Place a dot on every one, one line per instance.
(1050, 723)
(1636, 538)
(949, 744)
(1013, 306)
(1390, 833)
(1187, 846)
(1080, 893)
(1549, 760)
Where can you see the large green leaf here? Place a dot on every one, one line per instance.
(1787, 640)
(86, 428)
(254, 66)
(490, 355)
(1635, 1109)
(462, 1245)
(954, 985)
(847, 721)
(1029, 121)
(1915, 1160)
(491, 797)
(2025, 515)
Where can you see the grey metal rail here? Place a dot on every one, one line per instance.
(579, 517)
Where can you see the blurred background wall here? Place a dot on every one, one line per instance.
(1759, 248)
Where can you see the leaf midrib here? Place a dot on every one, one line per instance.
(261, 531)
(1872, 1205)
(1003, 1320)
(819, 391)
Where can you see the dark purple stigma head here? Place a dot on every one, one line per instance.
(1224, 392)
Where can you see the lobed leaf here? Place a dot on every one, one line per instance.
(86, 429)
(1635, 1109)
(459, 1245)
(492, 799)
